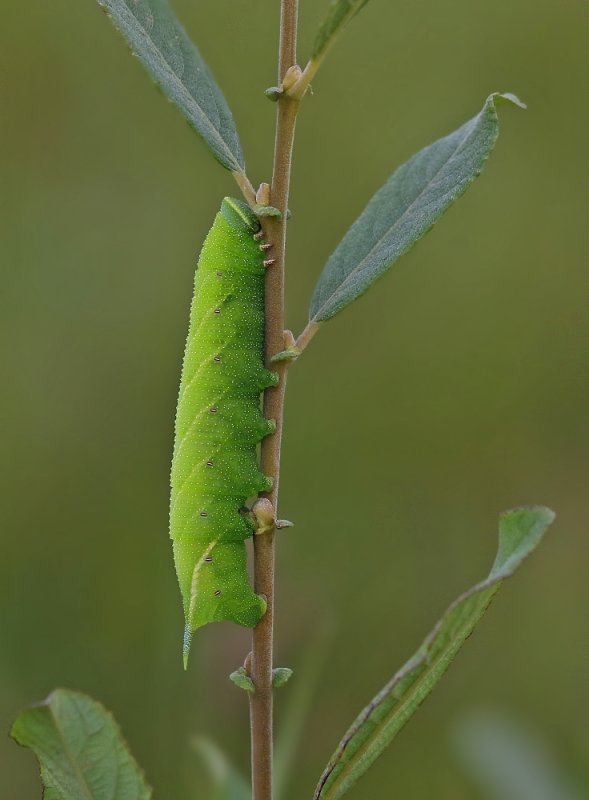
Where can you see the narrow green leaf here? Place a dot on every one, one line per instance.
(81, 751)
(339, 14)
(228, 784)
(405, 208)
(377, 725)
(160, 42)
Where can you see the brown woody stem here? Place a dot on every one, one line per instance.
(261, 717)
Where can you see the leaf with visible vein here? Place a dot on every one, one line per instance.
(339, 14)
(160, 42)
(405, 208)
(81, 751)
(520, 531)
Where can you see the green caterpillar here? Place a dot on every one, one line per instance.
(219, 424)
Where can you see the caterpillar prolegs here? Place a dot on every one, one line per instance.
(219, 425)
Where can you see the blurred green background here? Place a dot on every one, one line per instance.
(456, 389)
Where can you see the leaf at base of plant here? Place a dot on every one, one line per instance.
(520, 531)
(81, 751)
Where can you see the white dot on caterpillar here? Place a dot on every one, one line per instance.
(218, 593)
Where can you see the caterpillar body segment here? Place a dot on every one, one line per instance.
(219, 425)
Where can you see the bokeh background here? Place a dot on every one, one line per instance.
(457, 388)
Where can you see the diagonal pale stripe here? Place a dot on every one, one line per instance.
(197, 417)
(195, 576)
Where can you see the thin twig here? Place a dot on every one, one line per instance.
(246, 188)
(261, 718)
(306, 336)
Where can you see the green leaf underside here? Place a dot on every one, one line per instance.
(80, 749)
(520, 531)
(339, 14)
(160, 42)
(405, 208)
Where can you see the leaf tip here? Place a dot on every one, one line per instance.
(508, 97)
(186, 642)
(520, 531)
(528, 515)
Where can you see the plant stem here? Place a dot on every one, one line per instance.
(246, 188)
(306, 335)
(261, 718)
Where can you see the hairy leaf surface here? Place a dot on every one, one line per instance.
(377, 725)
(160, 42)
(405, 208)
(81, 751)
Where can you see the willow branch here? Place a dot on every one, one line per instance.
(261, 714)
